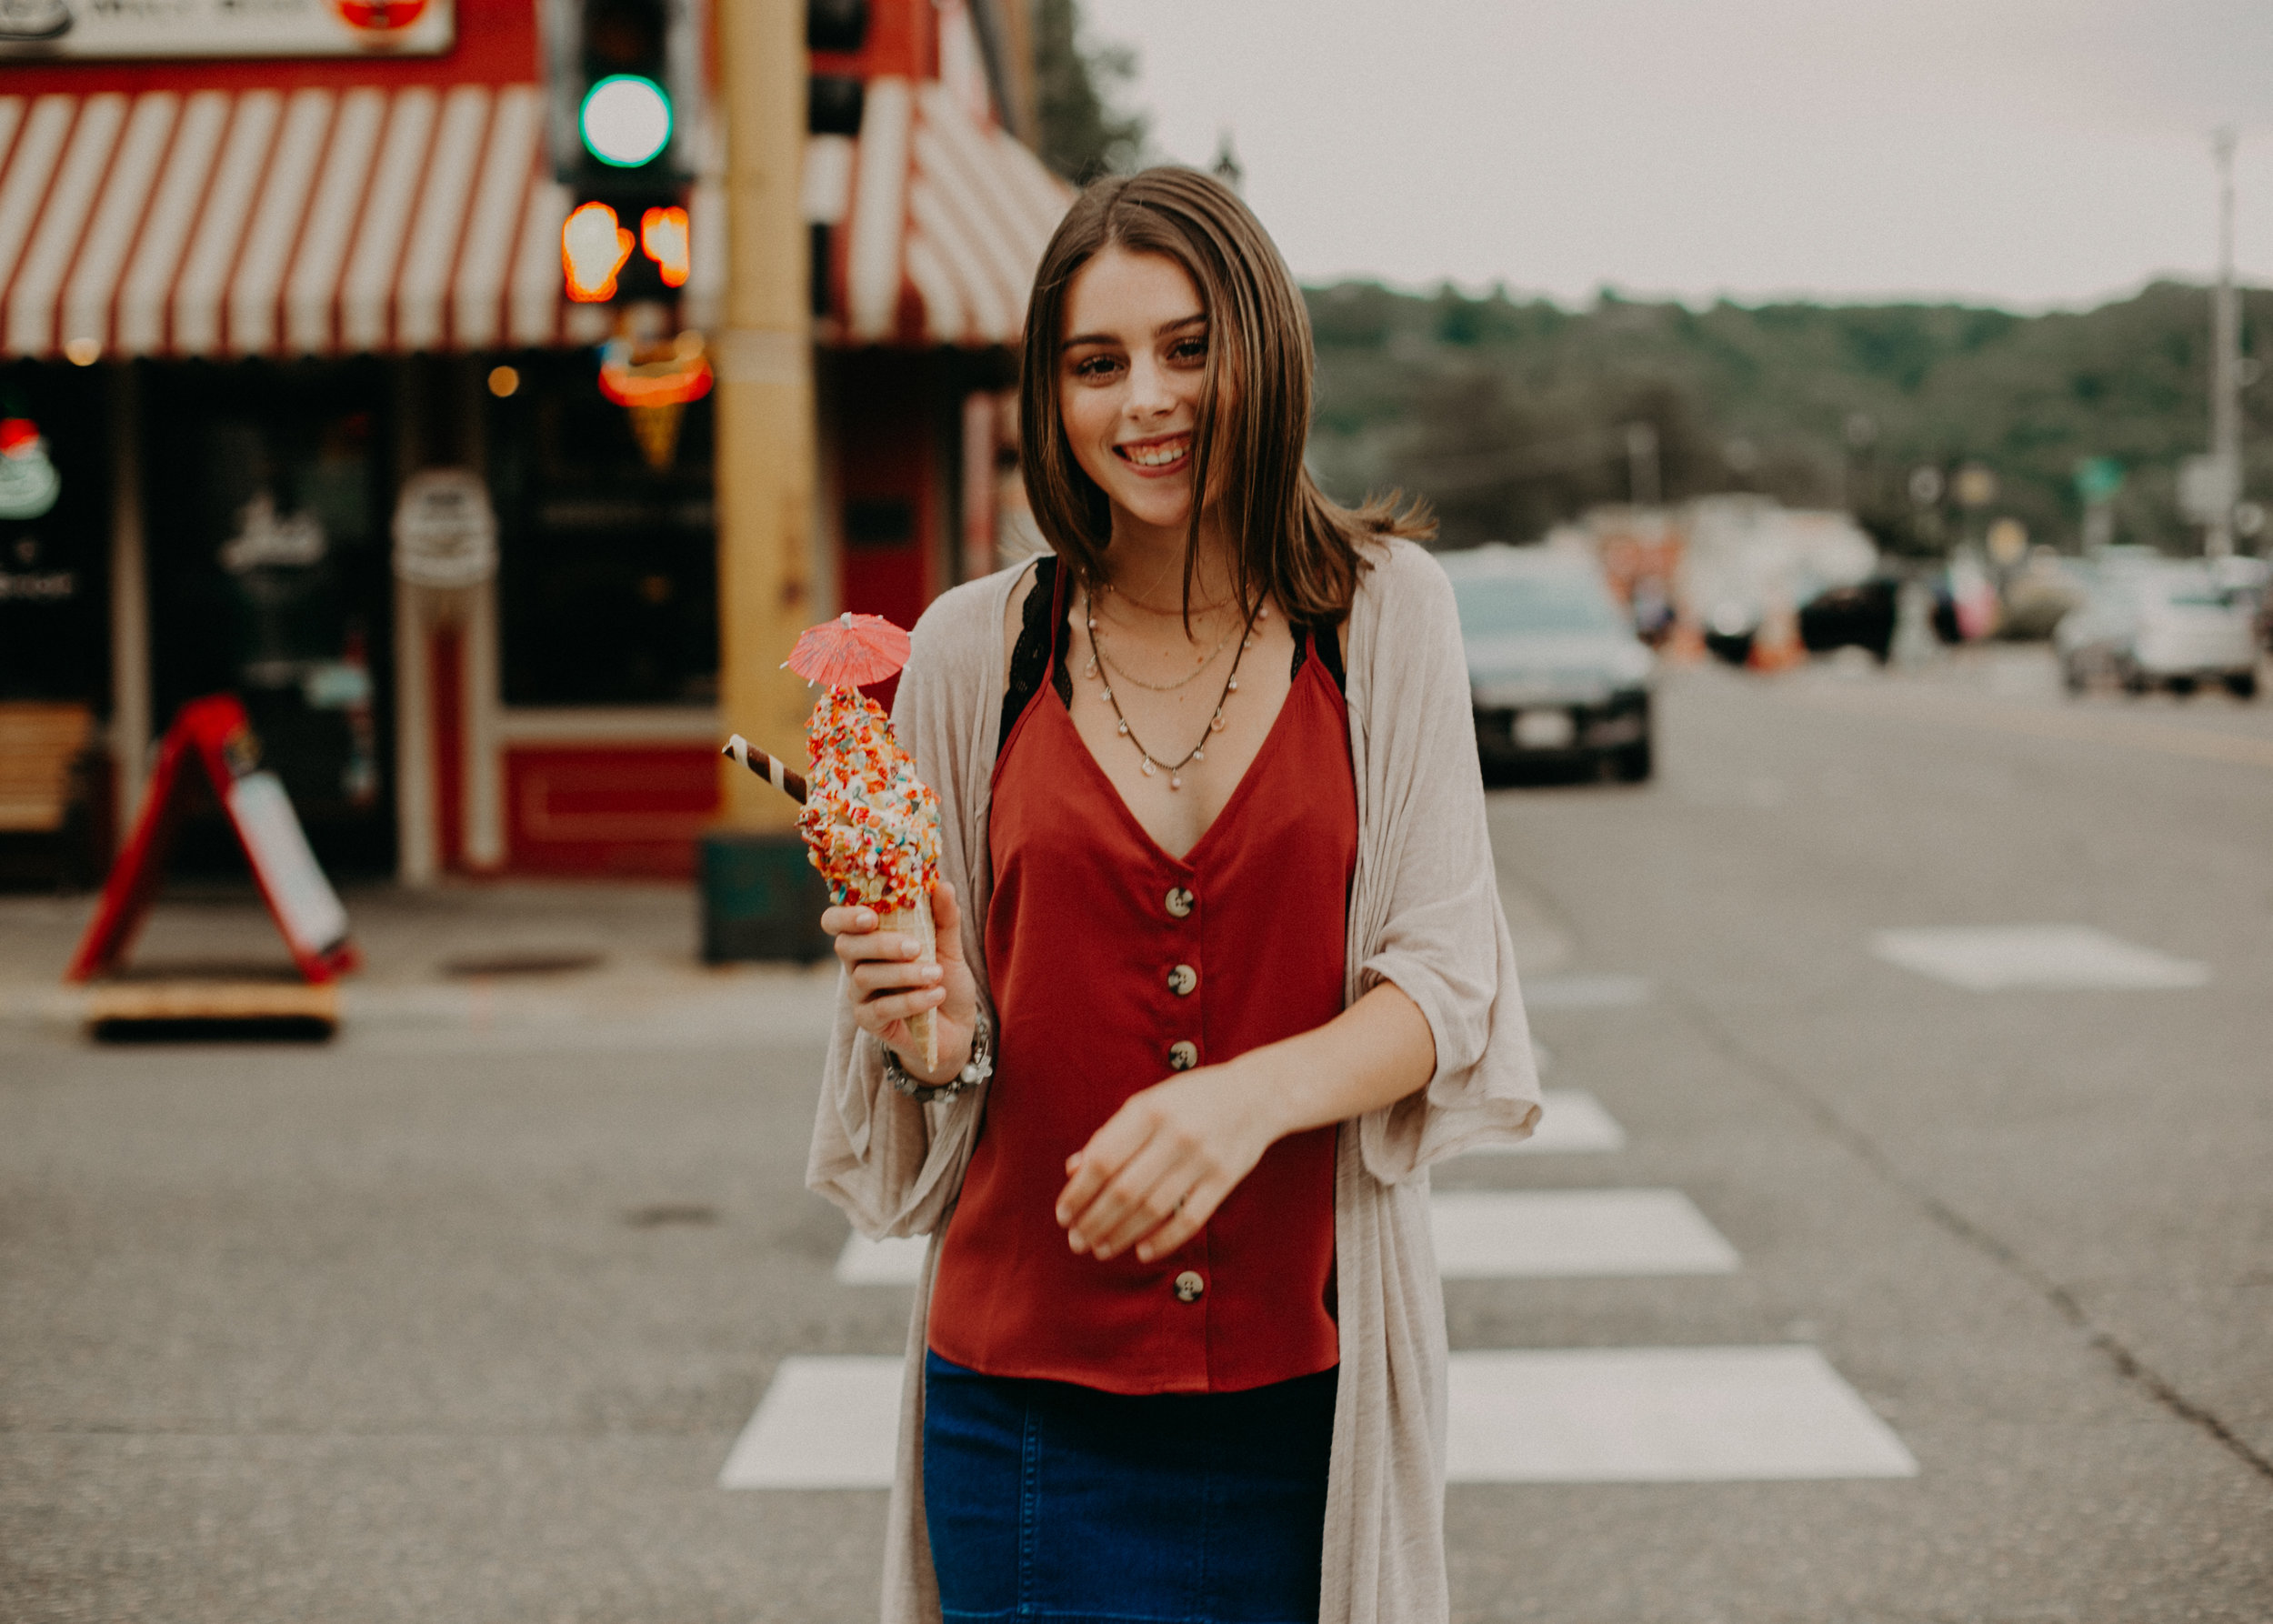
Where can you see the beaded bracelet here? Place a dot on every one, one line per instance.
(976, 1070)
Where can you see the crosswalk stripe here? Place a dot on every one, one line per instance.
(897, 1261)
(2050, 957)
(827, 1422)
(1594, 1415)
(1481, 1234)
(1513, 1235)
(1571, 1121)
(1661, 1415)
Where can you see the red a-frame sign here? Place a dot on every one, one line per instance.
(213, 732)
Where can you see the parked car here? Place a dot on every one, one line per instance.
(2163, 624)
(1557, 676)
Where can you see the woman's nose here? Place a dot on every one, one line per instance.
(1150, 394)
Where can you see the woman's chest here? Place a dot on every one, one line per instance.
(1177, 758)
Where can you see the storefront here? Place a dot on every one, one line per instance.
(256, 310)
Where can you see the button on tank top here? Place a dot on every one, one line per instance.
(1115, 965)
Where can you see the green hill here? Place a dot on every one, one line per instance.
(1507, 414)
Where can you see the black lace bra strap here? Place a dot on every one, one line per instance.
(1030, 656)
(1328, 639)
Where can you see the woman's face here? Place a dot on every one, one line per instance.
(1130, 379)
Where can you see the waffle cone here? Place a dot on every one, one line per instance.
(916, 922)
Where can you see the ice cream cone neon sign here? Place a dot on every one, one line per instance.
(593, 248)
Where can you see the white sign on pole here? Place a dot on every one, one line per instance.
(446, 532)
(2208, 488)
(94, 30)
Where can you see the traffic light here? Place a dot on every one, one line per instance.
(625, 80)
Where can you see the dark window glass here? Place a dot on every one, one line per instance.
(608, 589)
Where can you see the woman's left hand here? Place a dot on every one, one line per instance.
(1160, 1169)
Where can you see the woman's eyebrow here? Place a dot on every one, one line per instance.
(1197, 317)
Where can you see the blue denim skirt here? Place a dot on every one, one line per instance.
(1053, 1504)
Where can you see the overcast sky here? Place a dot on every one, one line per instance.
(2027, 152)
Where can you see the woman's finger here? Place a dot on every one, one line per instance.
(887, 1007)
(1135, 1202)
(842, 920)
(866, 946)
(1184, 1221)
(1108, 1150)
(887, 975)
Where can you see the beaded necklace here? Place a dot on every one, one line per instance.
(1198, 752)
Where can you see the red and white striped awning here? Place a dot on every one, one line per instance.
(277, 222)
(940, 219)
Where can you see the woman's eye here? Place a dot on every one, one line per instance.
(1096, 366)
(1189, 350)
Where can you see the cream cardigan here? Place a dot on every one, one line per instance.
(1424, 913)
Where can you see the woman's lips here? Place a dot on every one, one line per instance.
(1162, 456)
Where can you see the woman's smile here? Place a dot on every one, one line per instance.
(1164, 454)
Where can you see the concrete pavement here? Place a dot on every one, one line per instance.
(459, 1317)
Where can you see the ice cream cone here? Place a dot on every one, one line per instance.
(916, 922)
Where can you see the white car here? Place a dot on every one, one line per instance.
(2164, 624)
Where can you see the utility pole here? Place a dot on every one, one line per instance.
(2217, 540)
(1643, 487)
(757, 884)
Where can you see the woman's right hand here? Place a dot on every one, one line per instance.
(888, 987)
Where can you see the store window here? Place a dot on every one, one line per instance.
(607, 582)
(264, 504)
(55, 535)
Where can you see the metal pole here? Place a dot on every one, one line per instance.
(764, 423)
(130, 601)
(2217, 541)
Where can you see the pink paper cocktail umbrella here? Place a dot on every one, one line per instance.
(849, 651)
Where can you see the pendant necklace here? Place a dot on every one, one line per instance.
(1198, 752)
(1097, 659)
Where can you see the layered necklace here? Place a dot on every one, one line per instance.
(1101, 669)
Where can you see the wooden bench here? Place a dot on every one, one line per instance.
(40, 748)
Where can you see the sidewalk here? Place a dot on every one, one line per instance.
(520, 966)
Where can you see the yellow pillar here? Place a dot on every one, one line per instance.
(765, 468)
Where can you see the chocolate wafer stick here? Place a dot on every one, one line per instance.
(790, 784)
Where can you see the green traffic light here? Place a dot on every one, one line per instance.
(625, 120)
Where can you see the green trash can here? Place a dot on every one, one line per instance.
(762, 899)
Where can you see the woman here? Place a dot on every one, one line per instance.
(1222, 970)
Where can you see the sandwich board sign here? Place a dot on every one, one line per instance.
(214, 733)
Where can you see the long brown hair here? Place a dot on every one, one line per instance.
(1287, 538)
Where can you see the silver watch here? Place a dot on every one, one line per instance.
(976, 1070)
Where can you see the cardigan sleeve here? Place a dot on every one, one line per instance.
(1427, 911)
(892, 1164)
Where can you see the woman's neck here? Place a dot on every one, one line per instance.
(1145, 564)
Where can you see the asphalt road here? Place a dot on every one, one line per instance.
(458, 1317)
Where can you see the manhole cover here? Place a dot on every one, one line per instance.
(524, 962)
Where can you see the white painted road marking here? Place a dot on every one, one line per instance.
(1511, 1234)
(1994, 958)
(899, 1261)
(1481, 1235)
(1661, 1415)
(826, 1423)
(1570, 1120)
(1594, 1415)
(1584, 992)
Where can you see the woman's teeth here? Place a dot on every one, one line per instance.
(1157, 456)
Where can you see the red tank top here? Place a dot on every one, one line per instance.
(1113, 964)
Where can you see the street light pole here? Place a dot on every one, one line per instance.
(2217, 541)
